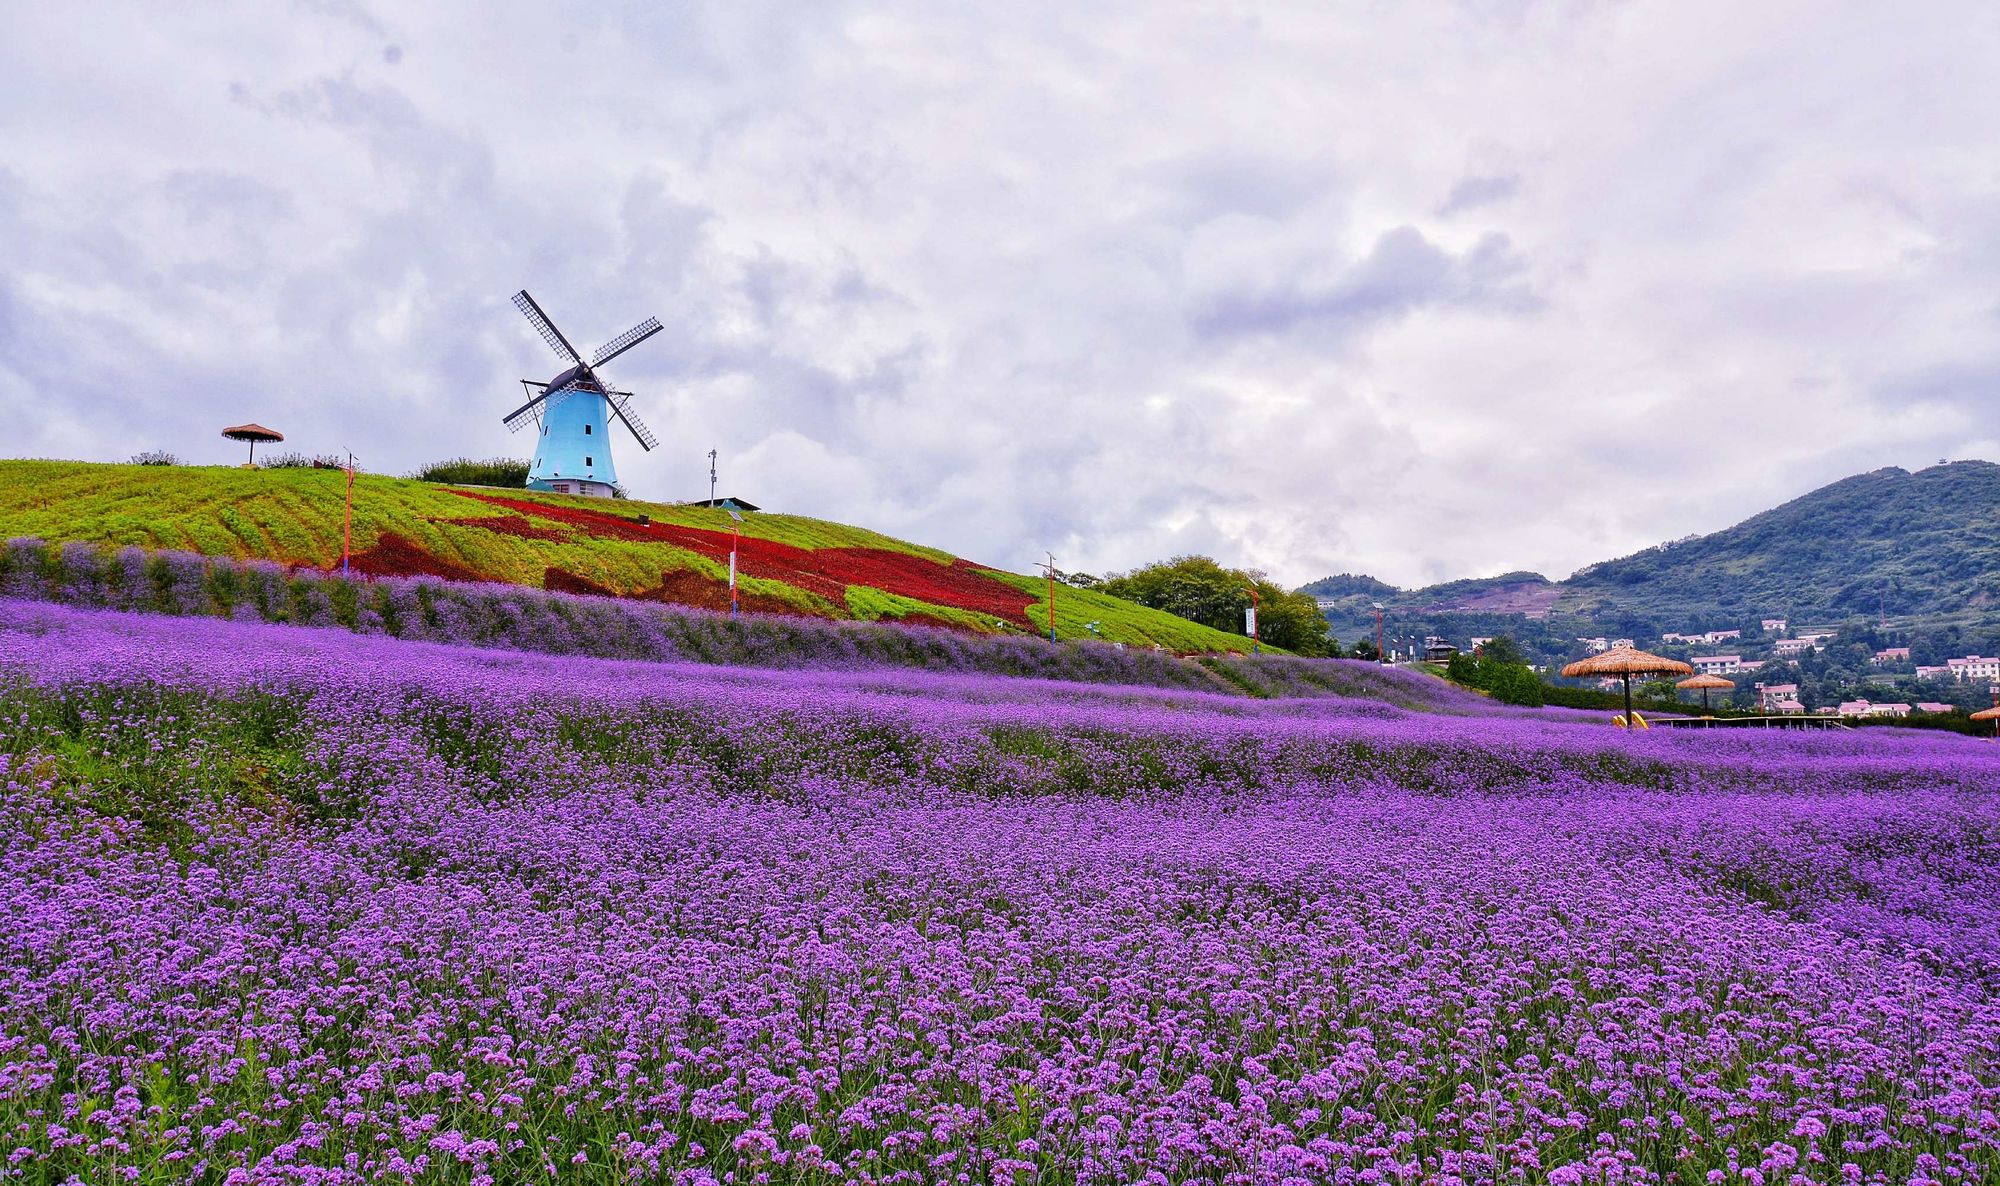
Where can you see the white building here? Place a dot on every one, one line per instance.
(1974, 667)
(1779, 698)
(1862, 708)
(1792, 648)
(1774, 625)
(1716, 664)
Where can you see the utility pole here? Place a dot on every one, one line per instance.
(1051, 566)
(1256, 646)
(1379, 656)
(735, 536)
(711, 477)
(347, 521)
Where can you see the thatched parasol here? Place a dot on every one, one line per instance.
(252, 433)
(1989, 714)
(1625, 662)
(1705, 682)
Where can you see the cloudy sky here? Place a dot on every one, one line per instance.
(1420, 290)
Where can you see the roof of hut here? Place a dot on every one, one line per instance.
(1626, 661)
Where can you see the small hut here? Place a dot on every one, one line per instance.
(1626, 662)
(1706, 683)
(252, 433)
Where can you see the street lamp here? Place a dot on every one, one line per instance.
(1378, 633)
(1256, 645)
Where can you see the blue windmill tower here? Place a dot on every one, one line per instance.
(572, 411)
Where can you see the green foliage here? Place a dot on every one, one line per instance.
(511, 472)
(297, 460)
(1498, 669)
(155, 457)
(1201, 590)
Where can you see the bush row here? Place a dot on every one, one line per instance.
(514, 617)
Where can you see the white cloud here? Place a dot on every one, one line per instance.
(1312, 290)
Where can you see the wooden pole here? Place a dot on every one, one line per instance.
(347, 520)
(1627, 677)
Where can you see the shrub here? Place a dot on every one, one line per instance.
(305, 461)
(494, 471)
(154, 457)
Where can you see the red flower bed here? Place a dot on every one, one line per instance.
(512, 525)
(825, 571)
(394, 556)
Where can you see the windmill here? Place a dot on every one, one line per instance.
(572, 411)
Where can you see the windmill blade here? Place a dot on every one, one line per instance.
(625, 341)
(640, 432)
(543, 326)
(548, 399)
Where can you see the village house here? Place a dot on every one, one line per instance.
(1595, 646)
(1709, 639)
(1774, 625)
(1888, 655)
(1792, 648)
(1935, 706)
(1974, 667)
(1939, 672)
(1862, 708)
(1716, 664)
(1782, 698)
(1818, 638)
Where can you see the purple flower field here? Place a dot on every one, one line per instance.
(292, 905)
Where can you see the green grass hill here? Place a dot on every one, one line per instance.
(787, 564)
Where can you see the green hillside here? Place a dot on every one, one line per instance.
(1919, 547)
(1923, 544)
(787, 564)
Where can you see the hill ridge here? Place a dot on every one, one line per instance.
(1917, 544)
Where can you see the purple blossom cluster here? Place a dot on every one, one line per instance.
(285, 905)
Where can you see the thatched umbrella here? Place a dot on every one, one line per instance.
(1989, 714)
(252, 433)
(1625, 662)
(1705, 682)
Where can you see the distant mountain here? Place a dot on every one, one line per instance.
(1919, 547)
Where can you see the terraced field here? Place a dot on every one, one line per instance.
(787, 564)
